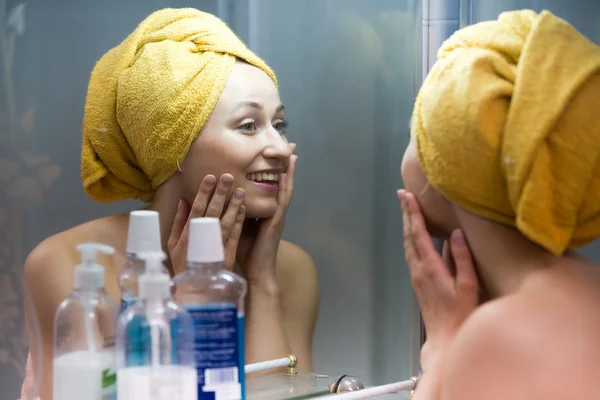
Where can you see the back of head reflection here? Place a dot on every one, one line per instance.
(503, 163)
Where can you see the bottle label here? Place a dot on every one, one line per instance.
(165, 382)
(218, 354)
(109, 384)
(84, 374)
(127, 299)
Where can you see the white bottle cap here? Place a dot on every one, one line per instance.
(89, 275)
(144, 232)
(154, 283)
(205, 244)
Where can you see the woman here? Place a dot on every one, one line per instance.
(503, 163)
(184, 116)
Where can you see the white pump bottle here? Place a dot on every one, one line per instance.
(84, 332)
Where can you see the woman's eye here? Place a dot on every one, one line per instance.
(249, 127)
(281, 127)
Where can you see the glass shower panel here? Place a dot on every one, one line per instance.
(348, 71)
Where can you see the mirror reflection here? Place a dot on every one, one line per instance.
(287, 122)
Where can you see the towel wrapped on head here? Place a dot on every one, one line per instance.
(149, 97)
(507, 125)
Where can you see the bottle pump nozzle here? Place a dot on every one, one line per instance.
(154, 283)
(89, 274)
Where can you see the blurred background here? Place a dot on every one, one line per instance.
(348, 71)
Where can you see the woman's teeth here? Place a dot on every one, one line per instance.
(263, 176)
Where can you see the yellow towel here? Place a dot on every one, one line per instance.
(507, 125)
(149, 97)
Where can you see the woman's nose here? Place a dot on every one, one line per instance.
(277, 146)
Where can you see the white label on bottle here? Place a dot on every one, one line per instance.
(164, 382)
(223, 382)
(224, 391)
(216, 376)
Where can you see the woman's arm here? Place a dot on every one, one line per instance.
(266, 338)
(281, 313)
(48, 276)
(299, 301)
(299, 294)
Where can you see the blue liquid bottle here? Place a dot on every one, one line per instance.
(214, 297)
(155, 342)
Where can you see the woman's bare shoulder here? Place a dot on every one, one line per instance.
(534, 340)
(297, 279)
(49, 266)
(48, 275)
(52, 253)
(292, 253)
(295, 265)
(63, 245)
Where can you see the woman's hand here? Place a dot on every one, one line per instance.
(266, 335)
(446, 288)
(259, 244)
(231, 213)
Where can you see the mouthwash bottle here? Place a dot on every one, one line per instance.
(155, 342)
(214, 297)
(84, 334)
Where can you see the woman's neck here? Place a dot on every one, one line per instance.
(504, 257)
(165, 203)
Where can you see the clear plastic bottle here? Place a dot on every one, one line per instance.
(84, 327)
(143, 235)
(214, 297)
(159, 363)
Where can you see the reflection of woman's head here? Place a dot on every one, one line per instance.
(244, 136)
(507, 127)
(180, 98)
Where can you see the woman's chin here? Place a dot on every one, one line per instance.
(260, 208)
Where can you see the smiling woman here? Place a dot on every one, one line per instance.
(182, 115)
(244, 136)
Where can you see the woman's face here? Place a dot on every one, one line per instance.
(438, 212)
(245, 137)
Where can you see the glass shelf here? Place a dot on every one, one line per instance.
(284, 386)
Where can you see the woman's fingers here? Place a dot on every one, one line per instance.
(422, 257)
(290, 175)
(179, 222)
(230, 216)
(448, 259)
(217, 202)
(231, 244)
(409, 248)
(418, 231)
(466, 277)
(203, 196)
